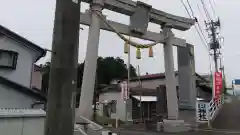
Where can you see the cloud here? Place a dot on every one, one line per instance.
(34, 20)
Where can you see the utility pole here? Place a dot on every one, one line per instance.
(63, 72)
(140, 83)
(233, 88)
(223, 73)
(128, 81)
(214, 45)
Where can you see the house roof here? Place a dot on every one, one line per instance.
(31, 92)
(162, 76)
(133, 90)
(22, 41)
(116, 87)
(111, 88)
(150, 77)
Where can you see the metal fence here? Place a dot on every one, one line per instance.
(207, 111)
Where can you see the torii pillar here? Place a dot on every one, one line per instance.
(172, 101)
(90, 65)
(187, 77)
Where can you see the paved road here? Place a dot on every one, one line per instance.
(181, 133)
(229, 116)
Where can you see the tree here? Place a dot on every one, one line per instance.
(108, 68)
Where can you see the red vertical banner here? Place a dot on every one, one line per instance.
(217, 83)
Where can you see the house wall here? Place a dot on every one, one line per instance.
(26, 57)
(121, 106)
(22, 122)
(22, 126)
(10, 98)
(203, 94)
(36, 81)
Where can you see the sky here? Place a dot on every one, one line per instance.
(33, 20)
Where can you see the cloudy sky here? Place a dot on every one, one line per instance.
(33, 20)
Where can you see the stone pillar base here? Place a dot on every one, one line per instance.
(173, 126)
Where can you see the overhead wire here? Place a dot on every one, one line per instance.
(203, 39)
(206, 10)
(214, 2)
(213, 9)
(186, 8)
(200, 11)
(193, 15)
(190, 8)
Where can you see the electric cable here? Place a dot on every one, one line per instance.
(203, 38)
(205, 10)
(214, 12)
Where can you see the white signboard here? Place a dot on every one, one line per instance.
(202, 111)
(125, 91)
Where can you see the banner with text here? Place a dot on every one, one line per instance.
(217, 84)
(125, 91)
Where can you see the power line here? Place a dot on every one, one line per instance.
(190, 8)
(201, 30)
(205, 10)
(186, 8)
(201, 12)
(203, 38)
(214, 13)
(214, 2)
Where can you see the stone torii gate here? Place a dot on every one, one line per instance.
(140, 15)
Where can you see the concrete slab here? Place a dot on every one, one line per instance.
(173, 126)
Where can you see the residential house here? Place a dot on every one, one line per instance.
(36, 77)
(112, 104)
(17, 58)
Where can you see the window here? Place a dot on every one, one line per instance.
(113, 106)
(8, 59)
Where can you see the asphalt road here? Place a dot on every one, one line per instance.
(229, 116)
(219, 132)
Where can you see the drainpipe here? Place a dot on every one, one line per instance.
(32, 70)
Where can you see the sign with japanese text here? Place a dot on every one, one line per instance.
(202, 108)
(217, 83)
